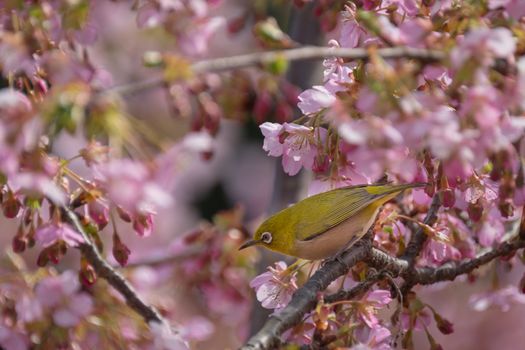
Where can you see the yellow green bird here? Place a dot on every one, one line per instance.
(322, 225)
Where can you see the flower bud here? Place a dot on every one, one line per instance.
(43, 258)
(433, 344)
(19, 244)
(99, 213)
(123, 214)
(444, 325)
(11, 206)
(40, 86)
(143, 224)
(87, 275)
(506, 208)
(475, 211)
(448, 197)
(56, 252)
(120, 250)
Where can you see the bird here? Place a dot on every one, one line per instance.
(325, 224)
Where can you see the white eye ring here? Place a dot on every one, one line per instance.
(266, 237)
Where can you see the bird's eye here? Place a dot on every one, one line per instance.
(266, 237)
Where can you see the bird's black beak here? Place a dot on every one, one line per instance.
(249, 244)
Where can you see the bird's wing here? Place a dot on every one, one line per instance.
(333, 208)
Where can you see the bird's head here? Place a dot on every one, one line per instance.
(271, 235)
(263, 236)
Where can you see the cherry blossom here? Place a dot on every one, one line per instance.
(275, 287)
(370, 304)
(376, 338)
(50, 233)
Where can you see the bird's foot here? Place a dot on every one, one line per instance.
(337, 257)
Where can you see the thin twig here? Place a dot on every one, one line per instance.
(417, 242)
(355, 291)
(451, 270)
(160, 260)
(296, 54)
(114, 278)
(420, 237)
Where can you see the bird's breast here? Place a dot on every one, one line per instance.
(336, 238)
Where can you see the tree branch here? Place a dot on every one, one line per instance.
(417, 242)
(449, 271)
(296, 54)
(115, 279)
(420, 237)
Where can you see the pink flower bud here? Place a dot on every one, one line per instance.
(56, 252)
(19, 244)
(41, 86)
(11, 206)
(87, 275)
(447, 197)
(444, 325)
(123, 214)
(99, 213)
(120, 251)
(475, 211)
(143, 224)
(506, 208)
(43, 258)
